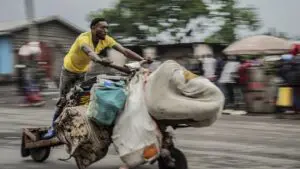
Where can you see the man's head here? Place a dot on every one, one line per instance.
(99, 28)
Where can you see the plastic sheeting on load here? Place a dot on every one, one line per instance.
(135, 129)
(172, 93)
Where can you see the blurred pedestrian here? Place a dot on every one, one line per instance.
(294, 77)
(31, 91)
(243, 78)
(227, 80)
(209, 67)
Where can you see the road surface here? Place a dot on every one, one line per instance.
(233, 142)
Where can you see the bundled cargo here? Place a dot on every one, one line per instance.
(175, 94)
(85, 140)
(107, 100)
(135, 135)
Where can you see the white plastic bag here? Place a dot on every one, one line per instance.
(172, 95)
(135, 129)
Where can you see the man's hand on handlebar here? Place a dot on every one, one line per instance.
(103, 61)
(146, 60)
(125, 69)
(149, 60)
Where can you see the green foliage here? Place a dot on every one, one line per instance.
(145, 18)
(234, 17)
(141, 19)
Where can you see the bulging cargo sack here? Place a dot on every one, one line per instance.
(107, 99)
(174, 93)
(135, 130)
(84, 140)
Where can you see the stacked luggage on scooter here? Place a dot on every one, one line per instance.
(176, 95)
(107, 100)
(88, 130)
(136, 136)
(170, 93)
(84, 140)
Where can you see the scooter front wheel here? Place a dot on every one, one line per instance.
(40, 154)
(179, 160)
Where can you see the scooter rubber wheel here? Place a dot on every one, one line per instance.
(40, 154)
(178, 156)
(24, 152)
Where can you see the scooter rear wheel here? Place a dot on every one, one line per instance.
(178, 156)
(24, 152)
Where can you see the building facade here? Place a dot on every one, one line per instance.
(55, 34)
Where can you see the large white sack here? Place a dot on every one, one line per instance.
(135, 129)
(170, 95)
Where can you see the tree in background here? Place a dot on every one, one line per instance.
(141, 19)
(233, 18)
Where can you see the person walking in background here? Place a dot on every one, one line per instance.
(31, 90)
(227, 80)
(255, 61)
(243, 78)
(294, 78)
(209, 67)
(220, 63)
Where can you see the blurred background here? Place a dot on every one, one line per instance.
(192, 32)
(248, 48)
(195, 33)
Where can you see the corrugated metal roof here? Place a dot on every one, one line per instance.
(11, 26)
(4, 33)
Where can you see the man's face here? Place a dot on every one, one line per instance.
(100, 30)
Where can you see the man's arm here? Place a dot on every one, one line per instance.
(127, 52)
(93, 55)
(88, 51)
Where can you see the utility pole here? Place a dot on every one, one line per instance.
(30, 15)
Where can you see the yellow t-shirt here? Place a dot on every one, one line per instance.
(76, 60)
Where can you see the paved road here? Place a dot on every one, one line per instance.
(10, 98)
(233, 142)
